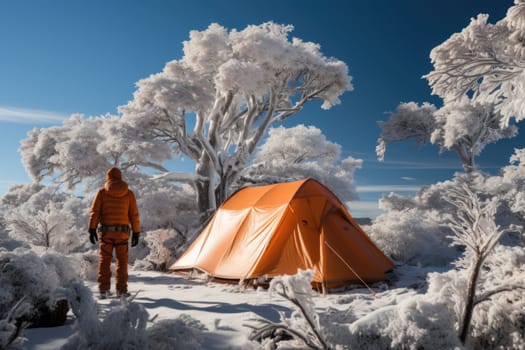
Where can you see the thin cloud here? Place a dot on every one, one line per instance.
(453, 165)
(27, 116)
(364, 209)
(372, 162)
(407, 178)
(387, 188)
(363, 205)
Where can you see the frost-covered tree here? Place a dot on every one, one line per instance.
(485, 61)
(46, 216)
(17, 195)
(510, 187)
(40, 227)
(84, 148)
(475, 228)
(215, 104)
(301, 152)
(463, 127)
(164, 204)
(409, 121)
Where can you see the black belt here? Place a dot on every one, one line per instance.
(104, 228)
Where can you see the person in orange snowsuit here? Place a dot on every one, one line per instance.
(115, 209)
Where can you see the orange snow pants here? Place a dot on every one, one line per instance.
(108, 242)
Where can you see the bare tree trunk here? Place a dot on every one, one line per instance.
(466, 156)
(469, 303)
(221, 191)
(202, 185)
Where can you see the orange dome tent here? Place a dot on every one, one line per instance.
(267, 231)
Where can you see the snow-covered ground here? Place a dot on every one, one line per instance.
(225, 309)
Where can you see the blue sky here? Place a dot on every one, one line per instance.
(69, 56)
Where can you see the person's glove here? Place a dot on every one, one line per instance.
(93, 235)
(135, 239)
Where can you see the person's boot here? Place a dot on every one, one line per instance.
(123, 294)
(104, 294)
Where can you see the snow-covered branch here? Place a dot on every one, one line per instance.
(487, 60)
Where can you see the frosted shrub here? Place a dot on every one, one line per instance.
(125, 326)
(160, 249)
(11, 331)
(303, 325)
(413, 324)
(87, 264)
(75, 237)
(411, 230)
(474, 227)
(412, 236)
(184, 331)
(7, 243)
(25, 274)
(498, 321)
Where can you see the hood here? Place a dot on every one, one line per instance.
(114, 185)
(113, 174)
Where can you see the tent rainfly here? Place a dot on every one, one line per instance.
(272, 230)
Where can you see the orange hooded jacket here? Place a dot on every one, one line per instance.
(115, 204)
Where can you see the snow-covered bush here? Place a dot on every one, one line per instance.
(75, 237)
(11, 329)
(157, 250)
(498, 320)
(185, 332)
(86, 264)
(125, 326)
(7, 243)
(509, 186)
(35, 278)
(474, 227)
(303, 326)
(413, 236)
(415, 323)
(411, 229)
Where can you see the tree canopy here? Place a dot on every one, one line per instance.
(215, 104)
